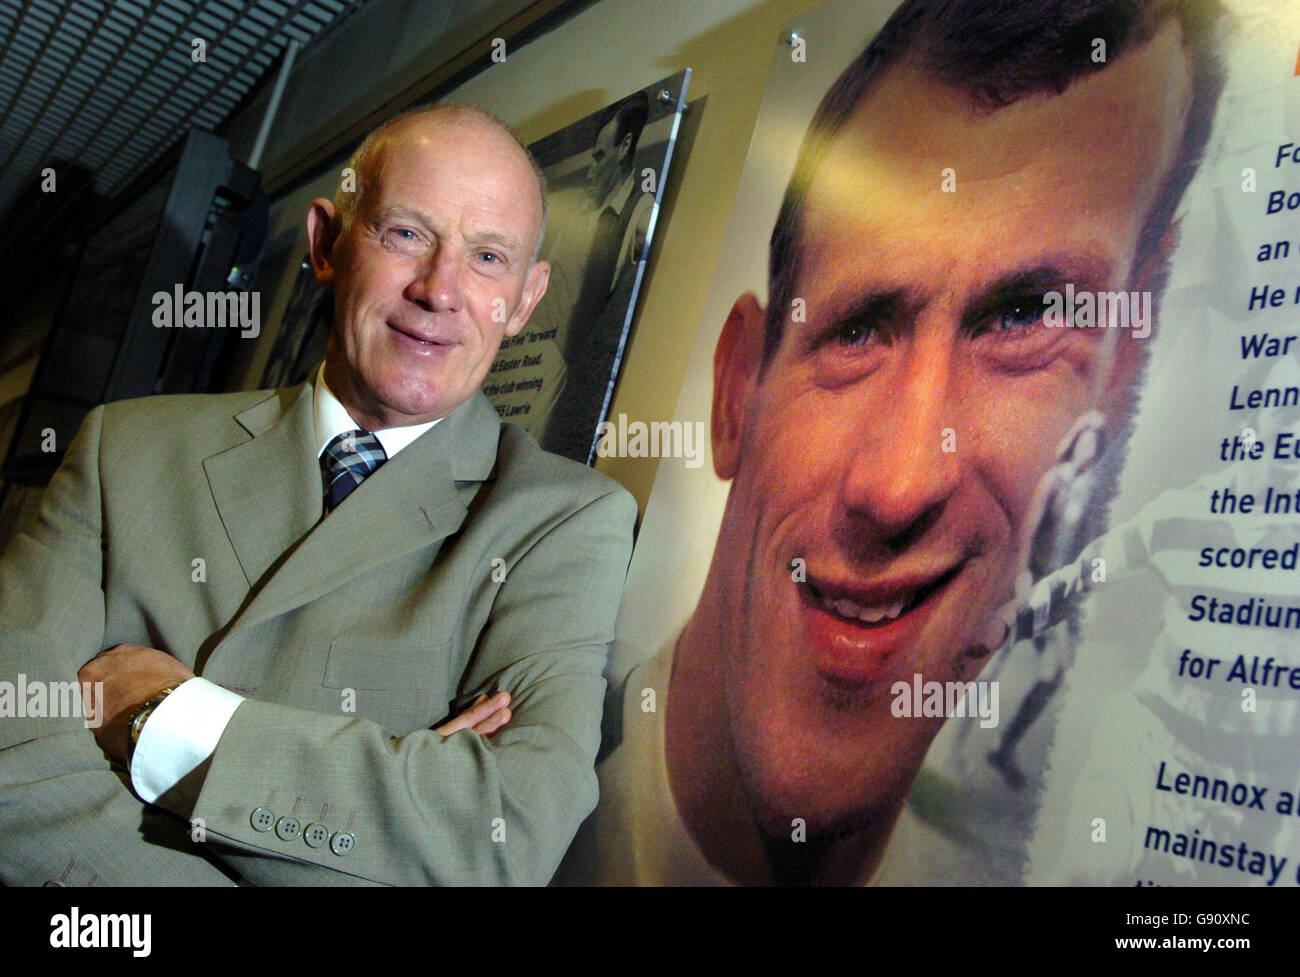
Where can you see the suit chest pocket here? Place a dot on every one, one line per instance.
(358, 661)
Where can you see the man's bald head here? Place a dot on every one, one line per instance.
(365, 159)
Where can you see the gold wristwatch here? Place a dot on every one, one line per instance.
(140, 717)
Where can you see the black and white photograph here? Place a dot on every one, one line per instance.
(605, 175)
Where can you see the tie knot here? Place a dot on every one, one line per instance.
(346, 461)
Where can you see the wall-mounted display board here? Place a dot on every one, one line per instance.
(993, 575)
(605, 179)
(304, 327)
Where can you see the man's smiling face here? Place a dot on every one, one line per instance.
(431, 272)
(922, 333)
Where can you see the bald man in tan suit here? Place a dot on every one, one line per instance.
(378, 553)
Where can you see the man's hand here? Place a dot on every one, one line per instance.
(485, 716)
(132, 675)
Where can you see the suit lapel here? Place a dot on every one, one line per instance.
(268, 489)
(412, 501)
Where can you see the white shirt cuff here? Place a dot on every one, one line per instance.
(179, 735)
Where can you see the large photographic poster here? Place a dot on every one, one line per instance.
(992, 578)
(605, 179)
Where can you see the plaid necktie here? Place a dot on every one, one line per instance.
(345, 463)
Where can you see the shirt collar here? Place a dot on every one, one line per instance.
(333, 419)
(618, 196)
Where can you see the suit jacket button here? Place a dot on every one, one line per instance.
(287, 828)
(342, 842)
(55, 882)
(263, 819)
(316, 835)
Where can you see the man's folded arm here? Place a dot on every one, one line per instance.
(294, 796)
(65, 815)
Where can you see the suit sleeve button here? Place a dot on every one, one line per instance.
(263, 819)
(342, 842)
(316, 835)
(288, 828)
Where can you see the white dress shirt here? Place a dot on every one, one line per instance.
(183, 732)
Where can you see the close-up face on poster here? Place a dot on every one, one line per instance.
(559, 443)
(968, 593)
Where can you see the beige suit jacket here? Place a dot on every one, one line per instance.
(471, 562)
